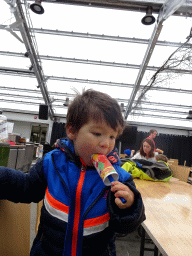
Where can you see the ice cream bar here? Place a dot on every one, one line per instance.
(105, 170)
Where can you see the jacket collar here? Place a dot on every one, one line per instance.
(67, 146)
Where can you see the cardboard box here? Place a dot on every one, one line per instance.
(173, 162)
(181, 172)
(14, 229)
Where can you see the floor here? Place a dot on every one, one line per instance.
(33, 222)
(130, 245)
(125, 246)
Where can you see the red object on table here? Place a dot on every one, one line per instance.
(11, 142)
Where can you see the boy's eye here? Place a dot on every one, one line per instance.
(96, 133)
(112, 137)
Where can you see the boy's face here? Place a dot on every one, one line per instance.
(92, 138)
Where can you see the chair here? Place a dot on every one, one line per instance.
(20, 159)
(29, 150)
(12, 158)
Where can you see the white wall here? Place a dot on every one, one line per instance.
(22, 128)
(24, 120)
(23, 123)
(162, 130)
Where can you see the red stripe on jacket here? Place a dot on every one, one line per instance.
(77, 213)
(96, 221)
(55, 203)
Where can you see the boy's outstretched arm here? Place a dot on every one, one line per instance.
(17, 186)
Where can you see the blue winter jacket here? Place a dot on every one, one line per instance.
(79, 216)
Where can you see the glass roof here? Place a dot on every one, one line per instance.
(72, 59)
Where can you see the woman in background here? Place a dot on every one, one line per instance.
(147, 151)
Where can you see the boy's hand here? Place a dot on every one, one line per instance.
(122, 190)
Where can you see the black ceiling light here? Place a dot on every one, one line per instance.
(31, 67)
(26, 54)
(189, 115)
(36, 7)
(66, 103)
(148, 19)
(122, 107)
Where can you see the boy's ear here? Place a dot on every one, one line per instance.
(70, 133)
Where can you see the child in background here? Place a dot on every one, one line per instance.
(161, 157)
(129, 152)
(80, 215)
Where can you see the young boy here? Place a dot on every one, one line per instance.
(80, 215)
(161, 157)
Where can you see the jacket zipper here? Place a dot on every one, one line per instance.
(77, 211)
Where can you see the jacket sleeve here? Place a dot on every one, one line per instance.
(20, 187)
(124, 221)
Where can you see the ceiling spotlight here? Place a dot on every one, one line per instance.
(66, 103)
(31, 67)
(26, 54)
(148, 19)
(122, 107)
(189, 115)
(36, 7)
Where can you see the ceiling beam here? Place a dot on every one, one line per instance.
(29, 41)
(161, 116)
(137, 5)
(148, 53)
(52, 93)
(130, 122)
(26, 73)
(102, 37)
(38, 100)
(61, 106)
(98, 63)
(173, 112)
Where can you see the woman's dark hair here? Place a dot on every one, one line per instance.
(150, 142)
(97, 106)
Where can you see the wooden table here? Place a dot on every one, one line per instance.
(168, 209)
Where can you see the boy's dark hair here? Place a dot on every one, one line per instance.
(150, 142)
(96, 106)
(152, 131)
(161, 157)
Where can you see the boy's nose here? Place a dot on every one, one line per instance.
(104, 143)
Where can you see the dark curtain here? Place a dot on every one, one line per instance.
(134, 144)
(58, 131)
(174, 146)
